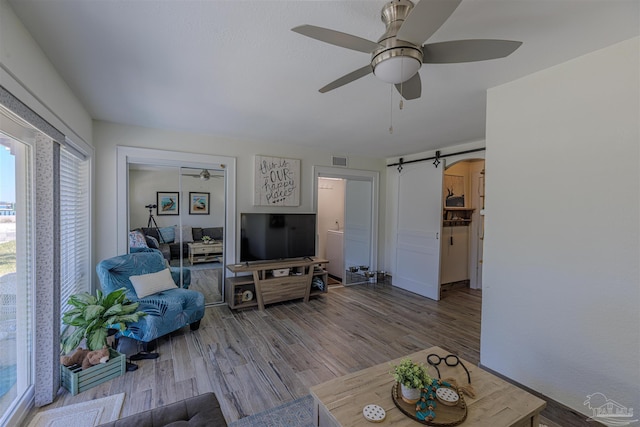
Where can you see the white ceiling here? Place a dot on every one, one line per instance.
(234, 69)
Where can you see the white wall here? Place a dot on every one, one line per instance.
(109, 135)
(27, 73)
(561, 282)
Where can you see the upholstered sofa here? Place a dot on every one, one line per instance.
(168, 309)
(168, 238)
(199, 411)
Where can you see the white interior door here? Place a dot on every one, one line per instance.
(357, 228)
(418, 229)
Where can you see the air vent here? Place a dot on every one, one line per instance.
(339, 161)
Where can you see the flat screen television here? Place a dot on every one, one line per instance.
(276, 236)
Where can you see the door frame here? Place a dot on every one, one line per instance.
(360, 175)
(178, 159)
(476, 228)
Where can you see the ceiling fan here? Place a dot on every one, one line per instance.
(398, 55)
(203, 175)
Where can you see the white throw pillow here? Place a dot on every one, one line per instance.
(187, 234)
(152, 283)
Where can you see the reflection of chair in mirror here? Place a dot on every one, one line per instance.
(140, 242)
(168, 306)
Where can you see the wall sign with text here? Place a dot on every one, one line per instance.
(277, 182)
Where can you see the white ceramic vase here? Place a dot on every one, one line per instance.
(410, 395)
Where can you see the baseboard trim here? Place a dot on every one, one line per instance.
(554, 411)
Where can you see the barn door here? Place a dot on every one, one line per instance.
(418, 229)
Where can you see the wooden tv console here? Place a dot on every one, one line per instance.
(267, 288)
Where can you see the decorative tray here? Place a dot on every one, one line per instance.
(445, 415)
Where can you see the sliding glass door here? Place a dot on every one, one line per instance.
(16, 265)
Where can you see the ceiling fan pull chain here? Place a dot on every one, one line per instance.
(391, 113)
(402, 74)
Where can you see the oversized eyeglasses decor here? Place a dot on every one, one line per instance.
(449, 360)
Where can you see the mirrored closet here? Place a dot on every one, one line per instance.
(182, 208)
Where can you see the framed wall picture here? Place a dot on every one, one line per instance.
(277, 181)
(198, 203)
(168, 202)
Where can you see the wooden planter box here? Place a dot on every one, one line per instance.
(76, 380)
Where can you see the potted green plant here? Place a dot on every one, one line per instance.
(206, 239)
(413, 377)
(92, 317)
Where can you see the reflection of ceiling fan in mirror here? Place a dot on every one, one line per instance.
(398, 55)
(203, 175)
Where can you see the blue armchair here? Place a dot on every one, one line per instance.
(167, 311)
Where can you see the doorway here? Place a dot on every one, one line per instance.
(347, 208)
(463, 225)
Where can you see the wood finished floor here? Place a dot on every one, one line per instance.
(207, 281)
(255, 360)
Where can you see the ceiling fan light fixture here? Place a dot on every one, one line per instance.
(205, 175)
(397, 64)
(397, 69)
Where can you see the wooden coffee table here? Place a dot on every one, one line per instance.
(339, 402)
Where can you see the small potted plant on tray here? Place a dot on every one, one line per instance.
(413, 377)
(206, 240)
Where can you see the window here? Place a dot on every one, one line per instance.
(16, 263)
(74, 226)
(34, 172)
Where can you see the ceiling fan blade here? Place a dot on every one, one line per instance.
(347, 78)
(425, 18)
(467, 50)
(411, 89)
(337, 38)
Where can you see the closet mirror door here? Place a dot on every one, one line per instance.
(203, 220)
(181, 212)
(154, 208)
(357, 231)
